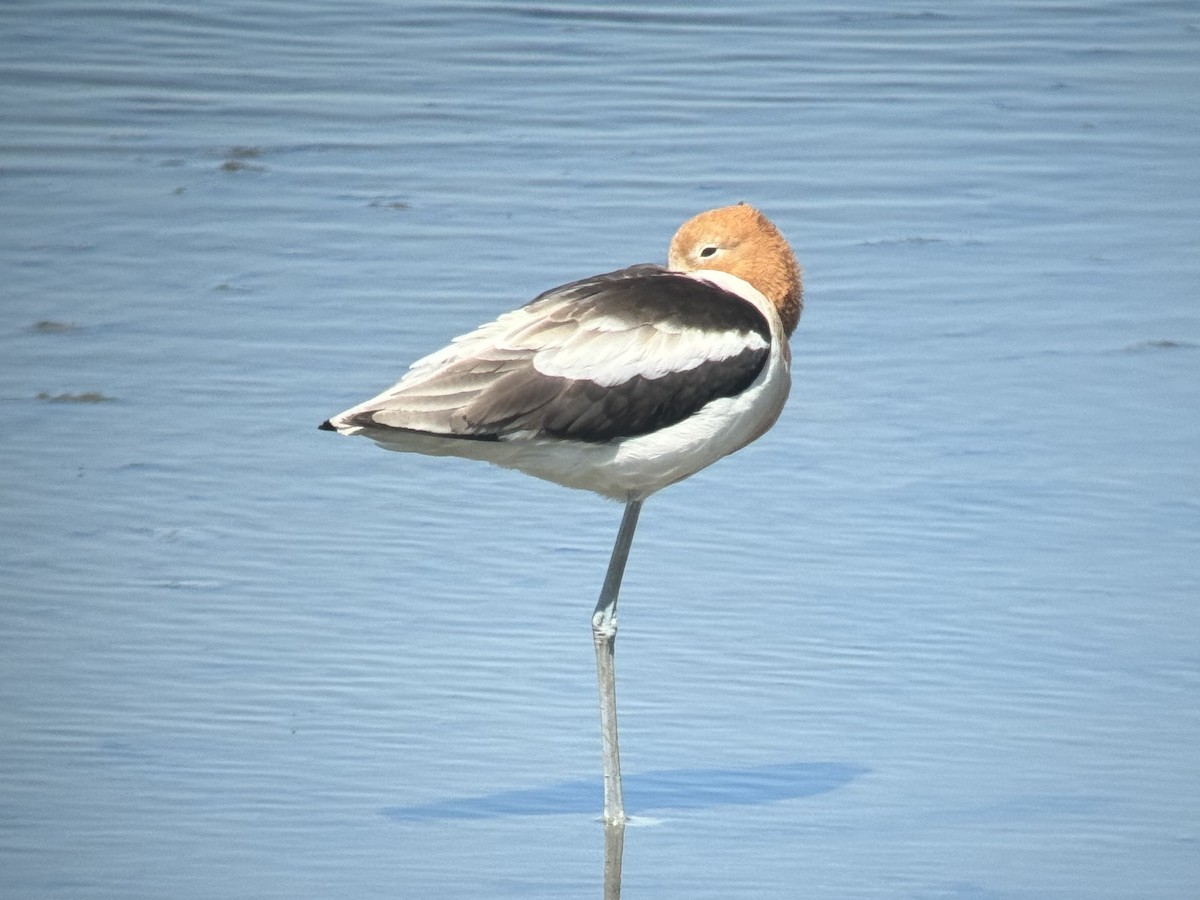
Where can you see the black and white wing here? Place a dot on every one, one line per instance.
(613, 356)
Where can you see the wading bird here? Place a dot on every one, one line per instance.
(620, 384)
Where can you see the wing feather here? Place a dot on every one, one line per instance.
(616, 355)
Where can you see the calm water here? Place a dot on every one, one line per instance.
(936, 636)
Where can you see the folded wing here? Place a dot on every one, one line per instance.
(612, 356)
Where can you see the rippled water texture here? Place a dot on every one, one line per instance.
(935, 636)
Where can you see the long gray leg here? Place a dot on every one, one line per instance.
(604, 636)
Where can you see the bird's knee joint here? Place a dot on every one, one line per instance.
(604, 628)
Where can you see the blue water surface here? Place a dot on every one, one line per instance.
(934, 636)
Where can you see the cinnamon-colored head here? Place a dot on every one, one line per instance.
(742, 241)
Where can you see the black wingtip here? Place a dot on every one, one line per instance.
(326, 426)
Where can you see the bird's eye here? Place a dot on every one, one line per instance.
(708, 251)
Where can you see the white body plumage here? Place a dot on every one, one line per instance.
(622, 467)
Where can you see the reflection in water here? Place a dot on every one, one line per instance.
(677, 789)
(614, 849)
(650, 791)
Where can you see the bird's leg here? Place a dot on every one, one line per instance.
(604, 636)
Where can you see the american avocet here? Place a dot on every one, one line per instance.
(620, 384)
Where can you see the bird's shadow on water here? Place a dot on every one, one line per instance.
(674, 789)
